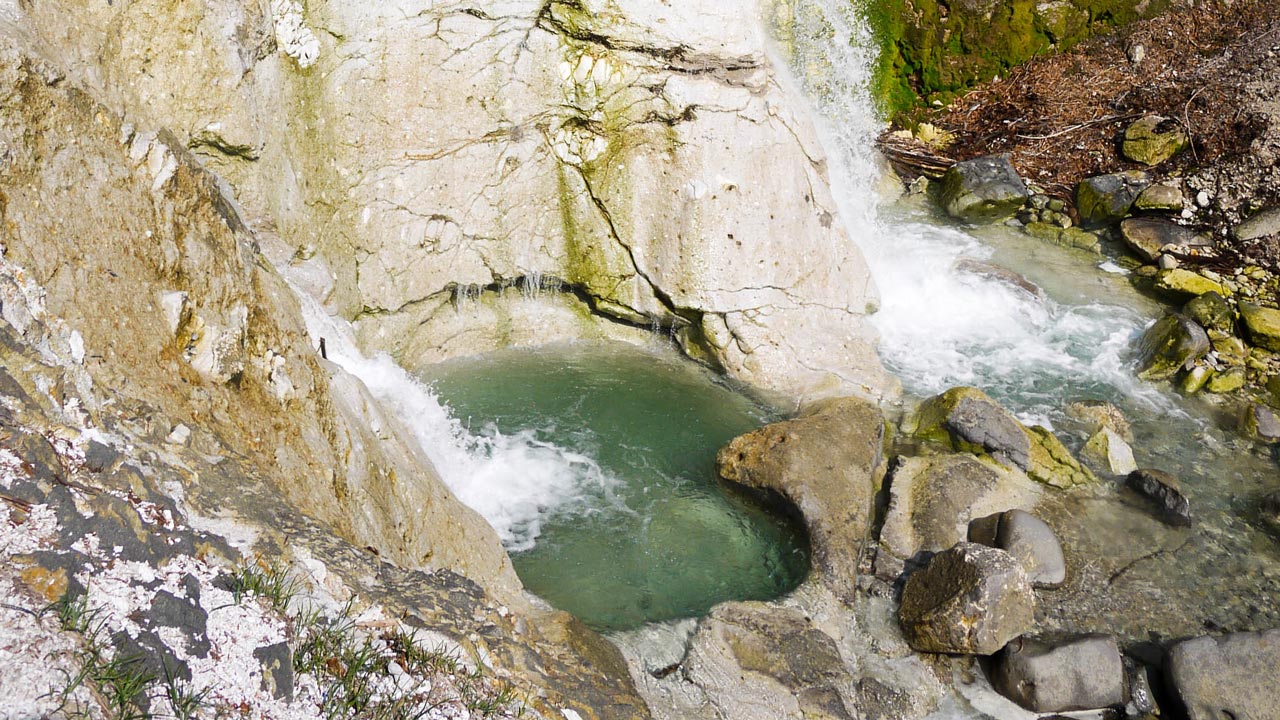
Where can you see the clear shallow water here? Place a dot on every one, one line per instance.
(636, 528)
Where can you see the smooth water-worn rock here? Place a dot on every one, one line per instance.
(1212, 312)
(971, 421)
(1109, 453)
(932, 500)
(970, 599)
(1172, 344)
(1106, 199)
(1146, 236)
(1033, 543)
(1230, 676)
(1262, 325)
(985, 189)
(1000, 274)
(827, 463)
(1153, 139)
(1162, 491)
(1080, 674)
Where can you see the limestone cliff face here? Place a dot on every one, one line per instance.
(640, 157)
(126, 266)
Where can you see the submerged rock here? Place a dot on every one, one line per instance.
(933, 499)
(1028, 539)
(972, 422)
(1231, 676)
(1161, 489)
(1106, 199)
(1082, 674)
(1098, 414)
(984, 189)
(1259, 422)
(1153, 139)
(1269, 510)
(970, 599)
(1109, 452)
(1001, 275)
(1172, 344)
(1262, 325)
(825, 462)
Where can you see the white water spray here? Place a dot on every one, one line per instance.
(941, 327)
(514, 481)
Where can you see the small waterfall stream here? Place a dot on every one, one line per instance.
(943, 326)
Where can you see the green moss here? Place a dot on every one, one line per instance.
(930, 50)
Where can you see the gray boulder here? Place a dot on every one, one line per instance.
(1162, 491)
(1231, 676)
(1160, 197)
(1172, 344)
(1145, 236)
(1106, 199)
(970, 599)
(985, 189)
(1082, 674)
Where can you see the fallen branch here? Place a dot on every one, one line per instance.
(1078, 126)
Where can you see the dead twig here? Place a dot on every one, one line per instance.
(1079, 126)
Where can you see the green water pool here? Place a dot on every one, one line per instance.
(643, 531)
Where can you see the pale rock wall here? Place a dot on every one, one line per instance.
(645, 153)
(125, 265)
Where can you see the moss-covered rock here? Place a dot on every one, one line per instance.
(1153, 139)
(970, 421)
(1173, 343)
(1212, 311)
(984, 189)
(1227, 381)
(1105, 199)
(1262, 324)
(1178, 281)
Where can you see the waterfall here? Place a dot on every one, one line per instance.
(940, 327)
(510, 479)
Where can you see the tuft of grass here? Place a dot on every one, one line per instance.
(118, 681)
(268, 581)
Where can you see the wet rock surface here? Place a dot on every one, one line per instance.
(984, 189)
(1170, 346)
(1161, 490)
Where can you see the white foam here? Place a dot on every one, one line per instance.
(515, 481)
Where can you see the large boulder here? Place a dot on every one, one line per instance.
(1172, 344)
(1082, 674)
(1262, 324)
(983, 189)
(933, 499)
(1106, 199)
(1231, 676)
(1162, 491)
(827, 462)
(1147, 236)
(1153, 139)
(970, 599)
(970, 421)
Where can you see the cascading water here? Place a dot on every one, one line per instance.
(944, 324)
